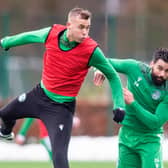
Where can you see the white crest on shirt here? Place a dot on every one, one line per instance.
(61, 126)
(22, 97)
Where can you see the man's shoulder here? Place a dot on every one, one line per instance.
(55, 30)
(91, 39)
(134, 64)
(166, 86)
(90, 42)
(58, 26)
(144, 67)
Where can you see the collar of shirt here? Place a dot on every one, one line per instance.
(65, 43)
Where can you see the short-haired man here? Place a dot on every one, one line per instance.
(69, 52)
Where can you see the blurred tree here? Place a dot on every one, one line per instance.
(157, 7)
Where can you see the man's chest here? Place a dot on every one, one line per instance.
(145, 92)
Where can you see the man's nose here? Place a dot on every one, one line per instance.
(85, 32)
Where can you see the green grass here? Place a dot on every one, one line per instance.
(15, 164)
(92, 165)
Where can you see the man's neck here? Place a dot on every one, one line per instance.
(65, 41)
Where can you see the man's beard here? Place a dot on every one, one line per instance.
(158, 81)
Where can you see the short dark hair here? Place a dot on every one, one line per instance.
(83, 13)
(160, 53)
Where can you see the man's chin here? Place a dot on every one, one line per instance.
(81, 40)
(159, 82)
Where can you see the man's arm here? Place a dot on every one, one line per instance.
(124, 66)
(152, 121)
(99, 61)
(37, 36)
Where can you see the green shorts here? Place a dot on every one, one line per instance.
(139, 150)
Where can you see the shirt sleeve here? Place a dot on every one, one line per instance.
(151, 120)
(37, 36)
(99, 61)
(124, 66)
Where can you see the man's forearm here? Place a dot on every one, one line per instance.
(152, 121)
(38, 36)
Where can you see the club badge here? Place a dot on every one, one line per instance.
(156, 95)
(22, 97)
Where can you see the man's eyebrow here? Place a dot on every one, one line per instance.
(82, 25)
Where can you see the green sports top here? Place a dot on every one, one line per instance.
(97, 60)
(149, 111)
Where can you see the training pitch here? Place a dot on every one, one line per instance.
(77, 164)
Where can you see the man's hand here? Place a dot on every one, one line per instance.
(0, 43)
(98, 78)
(119, 114)
(20, 139)
(6, 49)
(128, 96)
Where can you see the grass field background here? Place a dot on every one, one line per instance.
(85, 164)
(103, 150)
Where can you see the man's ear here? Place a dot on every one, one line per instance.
(151, 64)
(67, 24)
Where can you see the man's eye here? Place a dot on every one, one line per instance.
(84, 27)
(81, 27)
(88, 27)
(160, 68)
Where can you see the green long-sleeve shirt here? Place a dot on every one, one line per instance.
(97, 60)
(149, 111)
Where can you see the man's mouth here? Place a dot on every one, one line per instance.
(160, 79)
